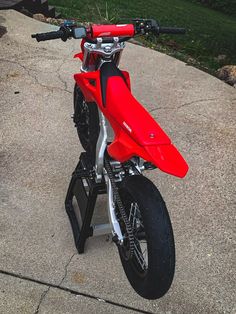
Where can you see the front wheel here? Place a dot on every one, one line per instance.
(150, 268)
(86, 120)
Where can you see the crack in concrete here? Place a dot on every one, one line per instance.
(196, 101)
(184, 105)
(36, 79)
(17, 63)
(48, 87)
(159, 108)
(41, 300)
(73, 292)
(63, 82)
(202, 115)
(59, 75)
(66, 268)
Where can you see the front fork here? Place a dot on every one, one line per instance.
(105, 135)
(115, 226)
(101, 147)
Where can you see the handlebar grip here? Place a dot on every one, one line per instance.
(48, 36)
(171, 30)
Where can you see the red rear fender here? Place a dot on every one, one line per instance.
(137, 133)
(168, 159)
(131, 115)
(165, 157)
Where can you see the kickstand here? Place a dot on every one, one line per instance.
(84, 190)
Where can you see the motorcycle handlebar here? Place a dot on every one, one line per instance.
(141, 26)
(64, 34)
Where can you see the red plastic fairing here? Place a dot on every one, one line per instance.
(90, 86)
(165, 157)
(79, 55)
(131, 115)
(121, 30)
(168, 159)
(136, 132)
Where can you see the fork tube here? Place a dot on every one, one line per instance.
(117, 57)
(100, 147)
(115, 226)
(85, 63)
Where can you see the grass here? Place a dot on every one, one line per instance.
(209, 33)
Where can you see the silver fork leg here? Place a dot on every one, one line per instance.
(105, 131)
(115, 226)
(100, 147)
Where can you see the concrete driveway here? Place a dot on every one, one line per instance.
(40, 270)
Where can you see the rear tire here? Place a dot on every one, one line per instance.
(152, 230)
(86, 120)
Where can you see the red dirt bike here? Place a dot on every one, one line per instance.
(121, 140)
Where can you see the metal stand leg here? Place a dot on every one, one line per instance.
(82, 179)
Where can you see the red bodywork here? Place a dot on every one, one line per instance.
(136, 132)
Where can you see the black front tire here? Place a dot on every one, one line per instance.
(153, 280)
(86, 120)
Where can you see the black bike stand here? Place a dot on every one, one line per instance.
(84, 190)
